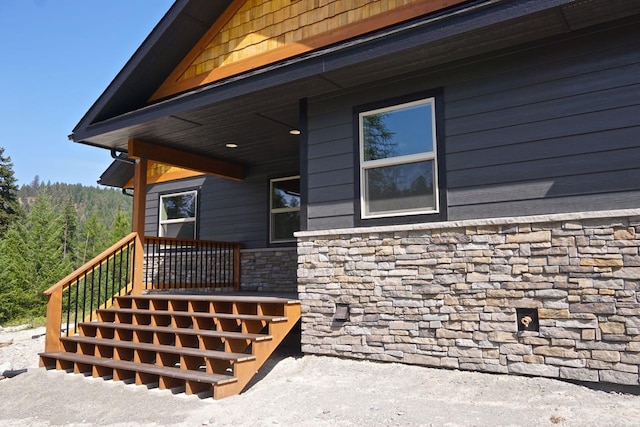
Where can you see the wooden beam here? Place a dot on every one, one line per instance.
(185, 159)
(139, 195)
(175, 173)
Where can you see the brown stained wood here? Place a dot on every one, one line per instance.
(298, 39)
(197, 162)
(139, 193)
(145, 368)
(231, 298)
(180, 331)
(194, 314)
(153, 363)
(158, 173)
(54, 319)
(98, 260)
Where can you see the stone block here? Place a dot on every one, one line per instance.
(627, 273)
(421, 359)
(546, 313)
(502, 337)
(624, 234)
(612, 328)
(596, 308)
(520, 349)
(606, 355)
(601, 262)
(632, 358)
(577, 323)
(532, 358)
(579, 374)
(534, 369)
(564, 352)
(618, 377)
(533, 237)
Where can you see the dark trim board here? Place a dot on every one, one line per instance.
(440, 160)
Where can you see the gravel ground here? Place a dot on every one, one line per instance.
(307, 391)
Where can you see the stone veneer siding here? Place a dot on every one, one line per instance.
(445, 294)
(268, 270)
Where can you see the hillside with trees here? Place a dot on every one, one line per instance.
(47, 230)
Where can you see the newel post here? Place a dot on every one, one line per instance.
(54, 319)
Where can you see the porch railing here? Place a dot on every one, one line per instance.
(129, 266)
(191, 264)
(93, 286)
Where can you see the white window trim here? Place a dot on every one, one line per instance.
(400, 160)
(279, 210)
(161, 222)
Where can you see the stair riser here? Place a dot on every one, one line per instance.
(204, 322)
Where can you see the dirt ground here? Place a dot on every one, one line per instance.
(296, 390)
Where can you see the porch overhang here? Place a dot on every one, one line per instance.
(256, 109)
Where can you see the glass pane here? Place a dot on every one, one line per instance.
(285, 194)
(179, 206)
(400, 188)
(283, 225)
(398, 132)
(181, 230)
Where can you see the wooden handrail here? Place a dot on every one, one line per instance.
(97, 260)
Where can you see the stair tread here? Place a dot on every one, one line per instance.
(196, 314)
(184, 331)
(166, 371)
(219, 298)
(188, 351)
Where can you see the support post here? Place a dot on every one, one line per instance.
(139, 206)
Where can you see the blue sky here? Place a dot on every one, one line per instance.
(57, 57)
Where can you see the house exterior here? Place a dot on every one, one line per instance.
(444, 183)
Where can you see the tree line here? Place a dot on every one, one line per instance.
(47, 230)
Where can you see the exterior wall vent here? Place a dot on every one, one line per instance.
(527, 319)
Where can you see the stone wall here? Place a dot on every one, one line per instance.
(268, 270)
(448, 294)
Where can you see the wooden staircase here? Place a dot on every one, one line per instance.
(206, 344)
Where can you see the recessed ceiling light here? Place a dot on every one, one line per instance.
(230, 145)
(295, 132)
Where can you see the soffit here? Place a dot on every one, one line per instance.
(257, 111)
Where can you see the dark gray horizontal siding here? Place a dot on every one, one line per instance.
(615, 199)
(598, 183)
(545, 148)
(555, 137)
(543, 128)
(228, 210)
(559, 58)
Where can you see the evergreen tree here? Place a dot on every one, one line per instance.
(31, 260)
(121, 227)
(69, 230)
(10, 209)
(95, 237)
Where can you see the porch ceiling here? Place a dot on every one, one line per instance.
(257, 110)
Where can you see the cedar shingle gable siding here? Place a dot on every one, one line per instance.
(254, 33)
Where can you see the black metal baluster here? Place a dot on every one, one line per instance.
(68, 307)
(93, 277)
(113, 276)
(76, 313)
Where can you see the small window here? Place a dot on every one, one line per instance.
(178, 214)
(398, 170)
(285, 209)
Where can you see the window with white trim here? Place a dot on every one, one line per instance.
(284, 203)
(398, 170)
(178, 215)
